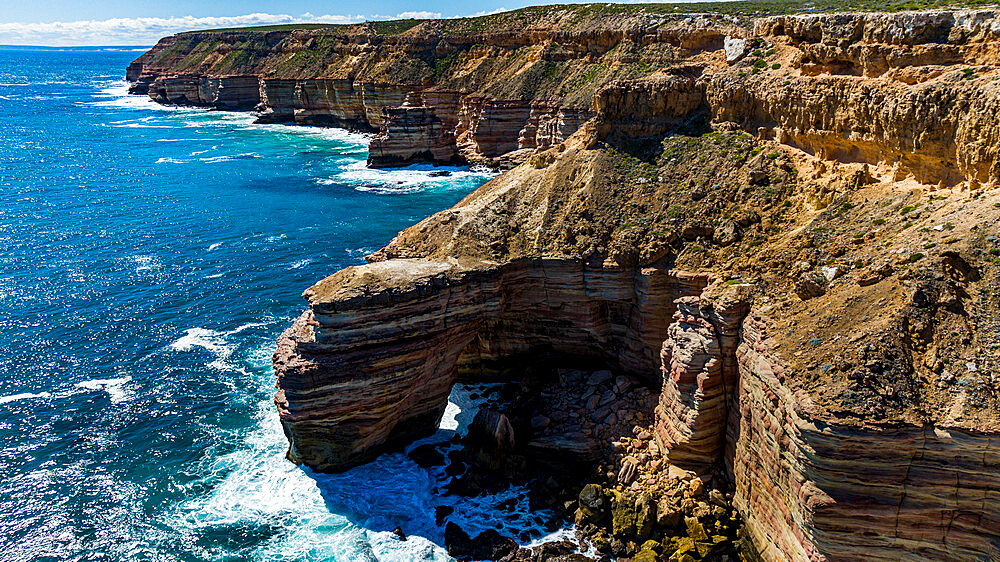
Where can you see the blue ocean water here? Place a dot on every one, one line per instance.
(149, 257)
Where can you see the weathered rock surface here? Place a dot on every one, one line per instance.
(906, 89)
(815, 487)
(371, 364)
(700, 378)
(444, 91)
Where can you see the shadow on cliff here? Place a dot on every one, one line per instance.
(390, 492)
(649, 148)
(394, 491)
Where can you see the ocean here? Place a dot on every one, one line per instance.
(150, 257)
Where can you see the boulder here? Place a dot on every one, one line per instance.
(695, 529)
(623, 517)
(629, 471)
(645, 556)
(488, 545)
(540, 422)
(810, 285)
(875, 274)
(645, 516)
(599, 378)
(426, 456)
(490, 439)
(668, 514)
(727, 233)
(441, 512)
(735, 47)
(592, 498)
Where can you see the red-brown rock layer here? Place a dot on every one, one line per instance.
(372, 362)
(817, 488)
(700, 380)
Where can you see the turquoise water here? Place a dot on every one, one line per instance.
(150, 257)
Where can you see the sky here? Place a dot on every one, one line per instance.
(142, 22)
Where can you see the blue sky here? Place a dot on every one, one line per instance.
(142, 22)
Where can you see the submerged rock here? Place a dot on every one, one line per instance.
(488, 545)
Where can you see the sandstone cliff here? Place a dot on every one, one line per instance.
(484, 89)
(788, 225)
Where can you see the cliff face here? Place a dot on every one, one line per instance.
(789, 225)
(497, 88)
(479, 90)
(358, 376)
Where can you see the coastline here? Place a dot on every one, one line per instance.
(778, 224)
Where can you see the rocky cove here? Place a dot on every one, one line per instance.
(740, 274)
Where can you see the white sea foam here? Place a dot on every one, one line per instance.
(347, 516)
(229, 157)
(247, 326)
(410, 179)
(39, 83)
(115, 94)
(300, 264)
(143, 126)
(214, 246)
(168, 160)
(216, 343)
(214, 276)
(212, 341)
(354, 252)
(23, 396)
(342, 136)
(204, 338)
(114, 387)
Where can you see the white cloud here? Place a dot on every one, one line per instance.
(147, 31)
(485, 13)
(419, 15)
(141, 31)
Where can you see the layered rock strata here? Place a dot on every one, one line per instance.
(700, 380)
(357, 376)
(476, 90)
(894, 491)
(903, 89)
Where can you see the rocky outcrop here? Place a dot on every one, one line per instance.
(818, 488)
(330, 103)
(837, 421)
(487, 89)
(221, 92)
(907, 89)
(700, 379)
(938, 132)
(357, 376)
